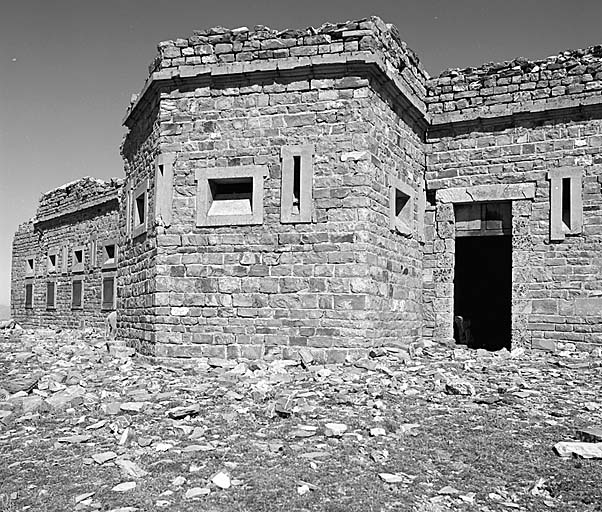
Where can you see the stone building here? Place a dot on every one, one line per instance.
(316, 188)
(65, 259)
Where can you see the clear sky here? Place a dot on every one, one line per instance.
(69, 67)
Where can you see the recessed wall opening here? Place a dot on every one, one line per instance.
(108, 292)
(483, 275)
(483, 291)
(79, 256)
(51, 262)
(296, 185)
(401, 200)
(50, 295)
(566, 202)
(231, 196)
(140, 209)
(77, 294)
(29, 295)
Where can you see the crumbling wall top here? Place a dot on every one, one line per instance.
(223, 45)
(219, 51)
(571, 78)
(76, 195)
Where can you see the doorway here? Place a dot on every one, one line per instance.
(483, 279)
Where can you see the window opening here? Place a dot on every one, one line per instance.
(108, 292)
(401, 207)
(30, 266)
(296, 194)
(566, 202)
(50, 294)
(52, 263)
(140, 209)
(29, 295)
(296, 184)
(78, 260)
(77, 294)
(109, 253)
(232, 196)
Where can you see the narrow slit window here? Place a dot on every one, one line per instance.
(297, 184)
(50, 295)
(140, 209)
(566, 202)
(29, 295)
(77, 294)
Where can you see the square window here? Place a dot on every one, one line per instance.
(50, 295)
(108, 292)
(109, 255)
(140, 209)
(401, 208)
(296, 198)
(77, 294)
(229, 196)
(78, 259)
(29, 295)
(51, 262)
(30, 267)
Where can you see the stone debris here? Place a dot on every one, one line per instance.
(222, 480)
(193, 411)
(579, 449)
(590, 435)
(124, 487)
(178, 413)
(101, 458)
(334, 429)
(196, 492)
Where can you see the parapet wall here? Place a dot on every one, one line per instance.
(77, 195)
(570, 79)
(221, 52)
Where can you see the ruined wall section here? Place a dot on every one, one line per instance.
(81, 215)
(570, 79)
(25, 246)
(137, 263)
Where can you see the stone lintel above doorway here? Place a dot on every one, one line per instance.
(483, 193)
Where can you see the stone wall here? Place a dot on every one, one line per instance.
(570, 79)
(274, 288)
(82, 215)
(557, 292)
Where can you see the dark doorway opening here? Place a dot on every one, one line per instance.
(483, 291)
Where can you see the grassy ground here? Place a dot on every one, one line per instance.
(488, 451)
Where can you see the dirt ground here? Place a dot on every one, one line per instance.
(430, 429)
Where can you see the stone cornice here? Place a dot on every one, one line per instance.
(401, 85)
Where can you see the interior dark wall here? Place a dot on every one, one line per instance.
(483, 289)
